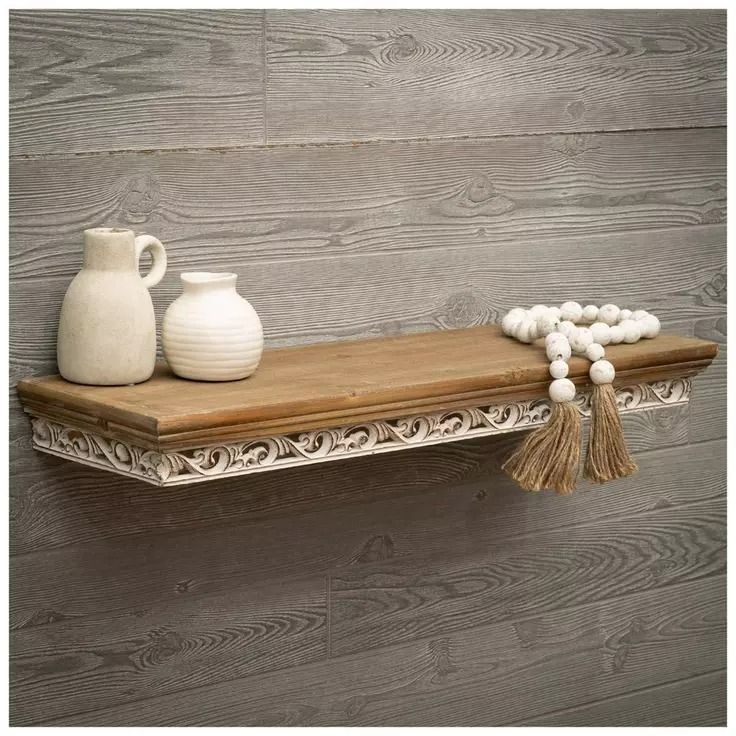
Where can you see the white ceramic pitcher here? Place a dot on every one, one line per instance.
(107, 328)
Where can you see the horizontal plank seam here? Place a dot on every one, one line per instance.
(533, 616)
(490, 243)
(351, 144)
(620, 696)
(329, 654)
(458, 488)
(576, 524)
(386, 647)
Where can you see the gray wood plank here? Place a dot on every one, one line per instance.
(312, 300)
(207, 606)
(100, 80)
(491, 675)
(697, 701)
(403, 598)
(55, 503)
(419, 529)
(346, 76)
(708, 404)
(232, 209)
(162, 648)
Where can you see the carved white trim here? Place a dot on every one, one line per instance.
(321, 445)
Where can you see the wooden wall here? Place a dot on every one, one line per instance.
(371, 173)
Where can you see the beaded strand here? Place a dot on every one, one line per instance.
(549, 457)
(585, 331)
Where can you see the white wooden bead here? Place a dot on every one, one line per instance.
(513, 316)
(562, 389)
(590, 313)
(624, 314)
(580, 339)
(632, 330)
(594, 351)
(602, 372)
(558, 369)
(608, 313)
(560, 346)
(547, 324)
(519, 311)
(552, 337)
(555, 312)
(617, 334)
(526, 331)
(639, 314)
(601, 333)
(511, 321)
(572, 311)
(566, 327)
(650, 326)
(538, 310)
(560, 349)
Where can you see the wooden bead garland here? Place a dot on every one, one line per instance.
(549, 457)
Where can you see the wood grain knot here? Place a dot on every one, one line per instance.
(464, 309)
(635, 633)
(442, 664)
(574, 144)
(377, 548)
(42, 617)
(480, 189)
(665, 45)
(140, 198)
(527, 632)
(576, 110)
(478, 197)
(354, 706)
(666, 419)
(715, 289)
(713, 216)
(164, 646)
(184, 586)
(401, 48)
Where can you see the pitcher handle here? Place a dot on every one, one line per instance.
(158, 254)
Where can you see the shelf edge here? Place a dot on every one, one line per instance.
(228, 459)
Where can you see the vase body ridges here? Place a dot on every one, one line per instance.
(107, 326)
(210, 333)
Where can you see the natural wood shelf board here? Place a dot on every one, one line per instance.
(329, 384)
(335, 400)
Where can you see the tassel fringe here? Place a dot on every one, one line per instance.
(549, 457)
(607, 457)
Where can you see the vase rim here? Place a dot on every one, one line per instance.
(208, 277)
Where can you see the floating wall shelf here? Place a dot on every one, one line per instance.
(336, 400)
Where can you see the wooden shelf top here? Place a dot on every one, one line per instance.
(331, 384)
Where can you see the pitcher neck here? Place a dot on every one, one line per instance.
(199, 282)
(110, 249)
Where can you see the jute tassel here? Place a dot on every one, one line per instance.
(607, 457)
(549, 457)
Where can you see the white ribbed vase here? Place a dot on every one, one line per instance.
(210, 333)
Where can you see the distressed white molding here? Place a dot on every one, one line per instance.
(304, 448)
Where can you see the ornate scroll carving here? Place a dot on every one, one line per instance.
(238, 458)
